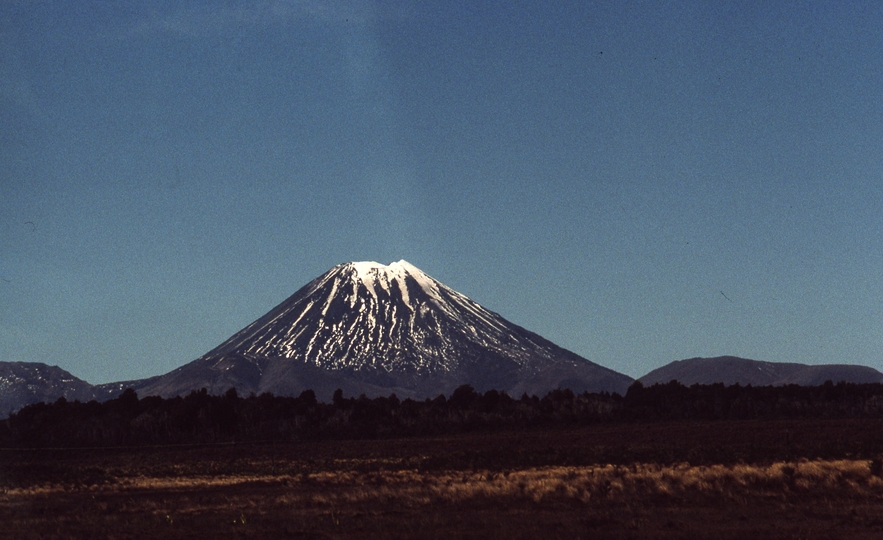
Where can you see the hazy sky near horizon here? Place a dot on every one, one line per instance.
(639, 182)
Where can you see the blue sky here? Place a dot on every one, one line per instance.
(639, 182)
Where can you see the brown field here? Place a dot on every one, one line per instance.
(536, 484)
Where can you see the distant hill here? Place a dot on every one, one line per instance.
(732, 370)
(23, 383)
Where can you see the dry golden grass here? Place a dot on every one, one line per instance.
(584, 484)
(608, 483)
(483, 486)
(614, 501)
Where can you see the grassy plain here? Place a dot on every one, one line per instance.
(771, 479)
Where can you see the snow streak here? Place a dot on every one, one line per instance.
(395, 318)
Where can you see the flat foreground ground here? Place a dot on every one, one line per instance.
(538, 484)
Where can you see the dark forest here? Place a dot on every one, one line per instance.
(201, 417)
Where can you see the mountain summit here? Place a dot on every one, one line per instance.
(368, 317)
(370, 328)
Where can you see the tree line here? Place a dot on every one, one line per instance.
(201, 417)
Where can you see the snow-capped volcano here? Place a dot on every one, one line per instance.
(367, 316)
(377, 328)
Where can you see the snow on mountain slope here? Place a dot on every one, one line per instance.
(23, 383)
(393, 317)
(391, 327)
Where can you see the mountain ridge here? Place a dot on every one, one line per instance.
(374, 329)
(731, 370)
(24, 383)
(34, 375)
